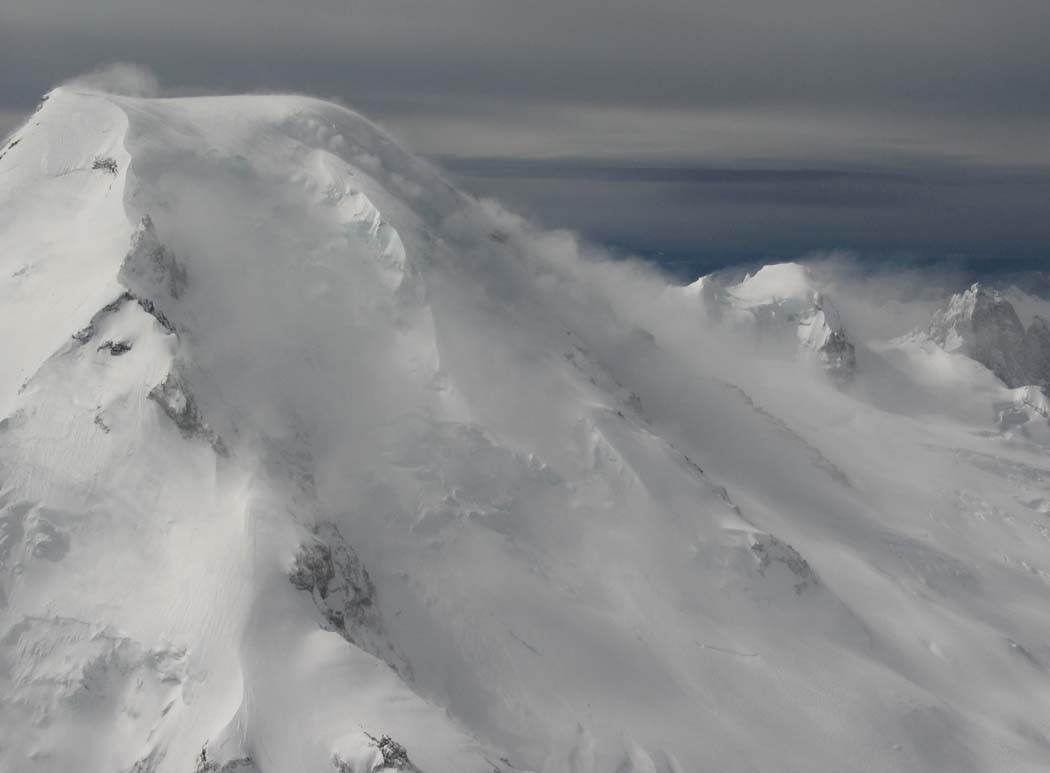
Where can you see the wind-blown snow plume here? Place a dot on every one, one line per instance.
(123, 78)
(310, 462)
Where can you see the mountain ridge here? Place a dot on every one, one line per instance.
(310, 462)
(981, 323)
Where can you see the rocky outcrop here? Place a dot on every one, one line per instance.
(770, 551)
(980, 323)
(330, 570)
(115, 348)
(393, 756)
(206, 765)
(87, 332)
(176, 400)
(822, 336)
(150, 269)
(332, 573)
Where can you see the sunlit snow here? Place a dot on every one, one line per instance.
(311, 463)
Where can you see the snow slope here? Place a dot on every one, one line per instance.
(781, 312)
(301, 448)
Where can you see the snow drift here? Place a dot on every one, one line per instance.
(309, 462)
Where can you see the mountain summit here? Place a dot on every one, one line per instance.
(310, 462)
(982, 324)
(780, 307)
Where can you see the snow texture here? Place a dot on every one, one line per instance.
(309, 462)
(982, 324)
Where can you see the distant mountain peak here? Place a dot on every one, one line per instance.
(781, 303)
(982, 324)
(335, 468)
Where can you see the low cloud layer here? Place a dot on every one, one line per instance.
(701, 217)
(752, 128)
(126, 79)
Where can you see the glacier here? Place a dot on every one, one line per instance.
(311, 462)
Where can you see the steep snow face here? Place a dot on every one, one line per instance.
(309, 462)
(779, 308)
(982, 324)
(55, 157)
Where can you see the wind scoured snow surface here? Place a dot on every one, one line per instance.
(310, 463)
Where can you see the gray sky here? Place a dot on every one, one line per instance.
(733, 128)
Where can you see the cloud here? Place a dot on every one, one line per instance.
(123, 78)
(10, 121)
(910, 57)
(736, 88)
(703, 217)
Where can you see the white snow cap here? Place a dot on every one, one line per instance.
(309, 462)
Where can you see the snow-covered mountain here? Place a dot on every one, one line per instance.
(779, 308)
(309, 462)
(981, 323)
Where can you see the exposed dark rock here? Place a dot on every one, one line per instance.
(838, 356)
(204, 765)
(177, 402)
(150, 269)
(331, 571)
(806, 321)
(395, 757)
(148, 306)
(105, 164)
(981, 324)
(769, 550)
(333, 574)
(6, 150)
(116, 348)
(87, 332)
(116, 303)
(820, 331)
(692, 465)
(147, 764)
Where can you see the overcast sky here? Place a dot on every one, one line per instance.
(722, 130)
